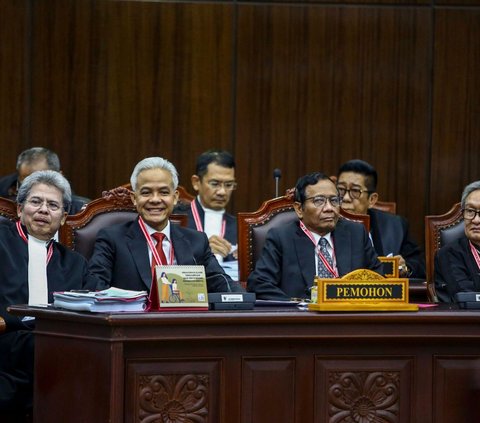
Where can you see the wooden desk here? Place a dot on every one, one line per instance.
(266, 366)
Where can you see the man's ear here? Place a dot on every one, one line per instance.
(196, 182)
(64, 218)
(132, 196)
(298, 209)
(372, 199)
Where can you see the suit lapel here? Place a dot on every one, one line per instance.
(181, 246)
(342, 242)
(138, 247)
(304, 249)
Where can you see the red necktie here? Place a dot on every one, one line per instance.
(159, 247)
(154, 294)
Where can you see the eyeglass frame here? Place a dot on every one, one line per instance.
(350, 192)
(31, 202)
(220, 184)
(476, 212)
(325, 199)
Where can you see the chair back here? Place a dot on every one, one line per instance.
(115, 206)
(387, 206)
(254, 226)
(440, 230)
(8, 210)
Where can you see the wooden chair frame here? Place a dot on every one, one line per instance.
(8, 209)
(434, 225)
(248, 220)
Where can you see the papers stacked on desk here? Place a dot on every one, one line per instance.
(106, 301)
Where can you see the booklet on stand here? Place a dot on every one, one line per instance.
(179, 287)
(106, 301)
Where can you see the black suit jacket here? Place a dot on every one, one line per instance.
(455, 270)
(9, 181)
(66, 270)
(286, 268)
(390, 234)
(120, 257)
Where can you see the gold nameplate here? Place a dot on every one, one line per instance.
(361, 290)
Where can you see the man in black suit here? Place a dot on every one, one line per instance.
(457, 264)
(29, 161)
(214, 182)
(122, 255)
(33, 266)
(357, 185)
(295, 253)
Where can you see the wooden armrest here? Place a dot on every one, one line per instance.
(2, 325)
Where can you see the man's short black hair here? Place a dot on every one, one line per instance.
(363, 168)
(305, 181)
(218, 157)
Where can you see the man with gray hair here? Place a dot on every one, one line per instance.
(124, 254)
(33, 266)
(457, 264)
(29, 161)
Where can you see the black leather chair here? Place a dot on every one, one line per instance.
(440, 230)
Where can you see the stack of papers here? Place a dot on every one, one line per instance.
(106, 301)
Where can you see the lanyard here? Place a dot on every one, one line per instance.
(25, 238)
(333, 270)
(154, 251)
(474, 251)
(198, 221)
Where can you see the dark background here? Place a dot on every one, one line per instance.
(301, 86)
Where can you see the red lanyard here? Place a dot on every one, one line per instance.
(474, 251)
(198, 221)
(333, 270)
(25, 238)
(151, 245)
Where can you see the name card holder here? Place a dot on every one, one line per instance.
(361, 290)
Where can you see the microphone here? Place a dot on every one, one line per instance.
(277, 174)
(229, 288)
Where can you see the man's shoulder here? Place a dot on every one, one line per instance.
(456, 245)
(6, 182)
(381, 217)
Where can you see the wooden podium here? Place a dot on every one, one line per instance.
(263, 366)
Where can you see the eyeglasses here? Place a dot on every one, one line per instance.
(228, 185)
(320, 201)
(36, 203)
(355, 193)
(470, 214)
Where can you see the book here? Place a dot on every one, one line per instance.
(105, 301)
(179, 288)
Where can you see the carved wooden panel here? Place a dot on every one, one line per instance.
(268, 390)
(456, 384)
(362, 390)
(173, 391)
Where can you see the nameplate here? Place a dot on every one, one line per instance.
(361, 290)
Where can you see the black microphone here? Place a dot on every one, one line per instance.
(277, 174)
(224, 277)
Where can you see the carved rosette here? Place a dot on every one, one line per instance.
(363, 397)
(173, 398)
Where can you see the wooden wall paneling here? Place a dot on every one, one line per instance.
(318, 86)
(14, 71)
(456, 106)
(125, 80)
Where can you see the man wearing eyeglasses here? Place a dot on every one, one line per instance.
(457, 264)
(319, 243)
(214, 181)
(357, 185)
(33, 266)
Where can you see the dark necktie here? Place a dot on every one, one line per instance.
(323, 272)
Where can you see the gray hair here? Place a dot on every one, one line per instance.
(36, 154)
(154, 163)
(47, 177)
(474, 186)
